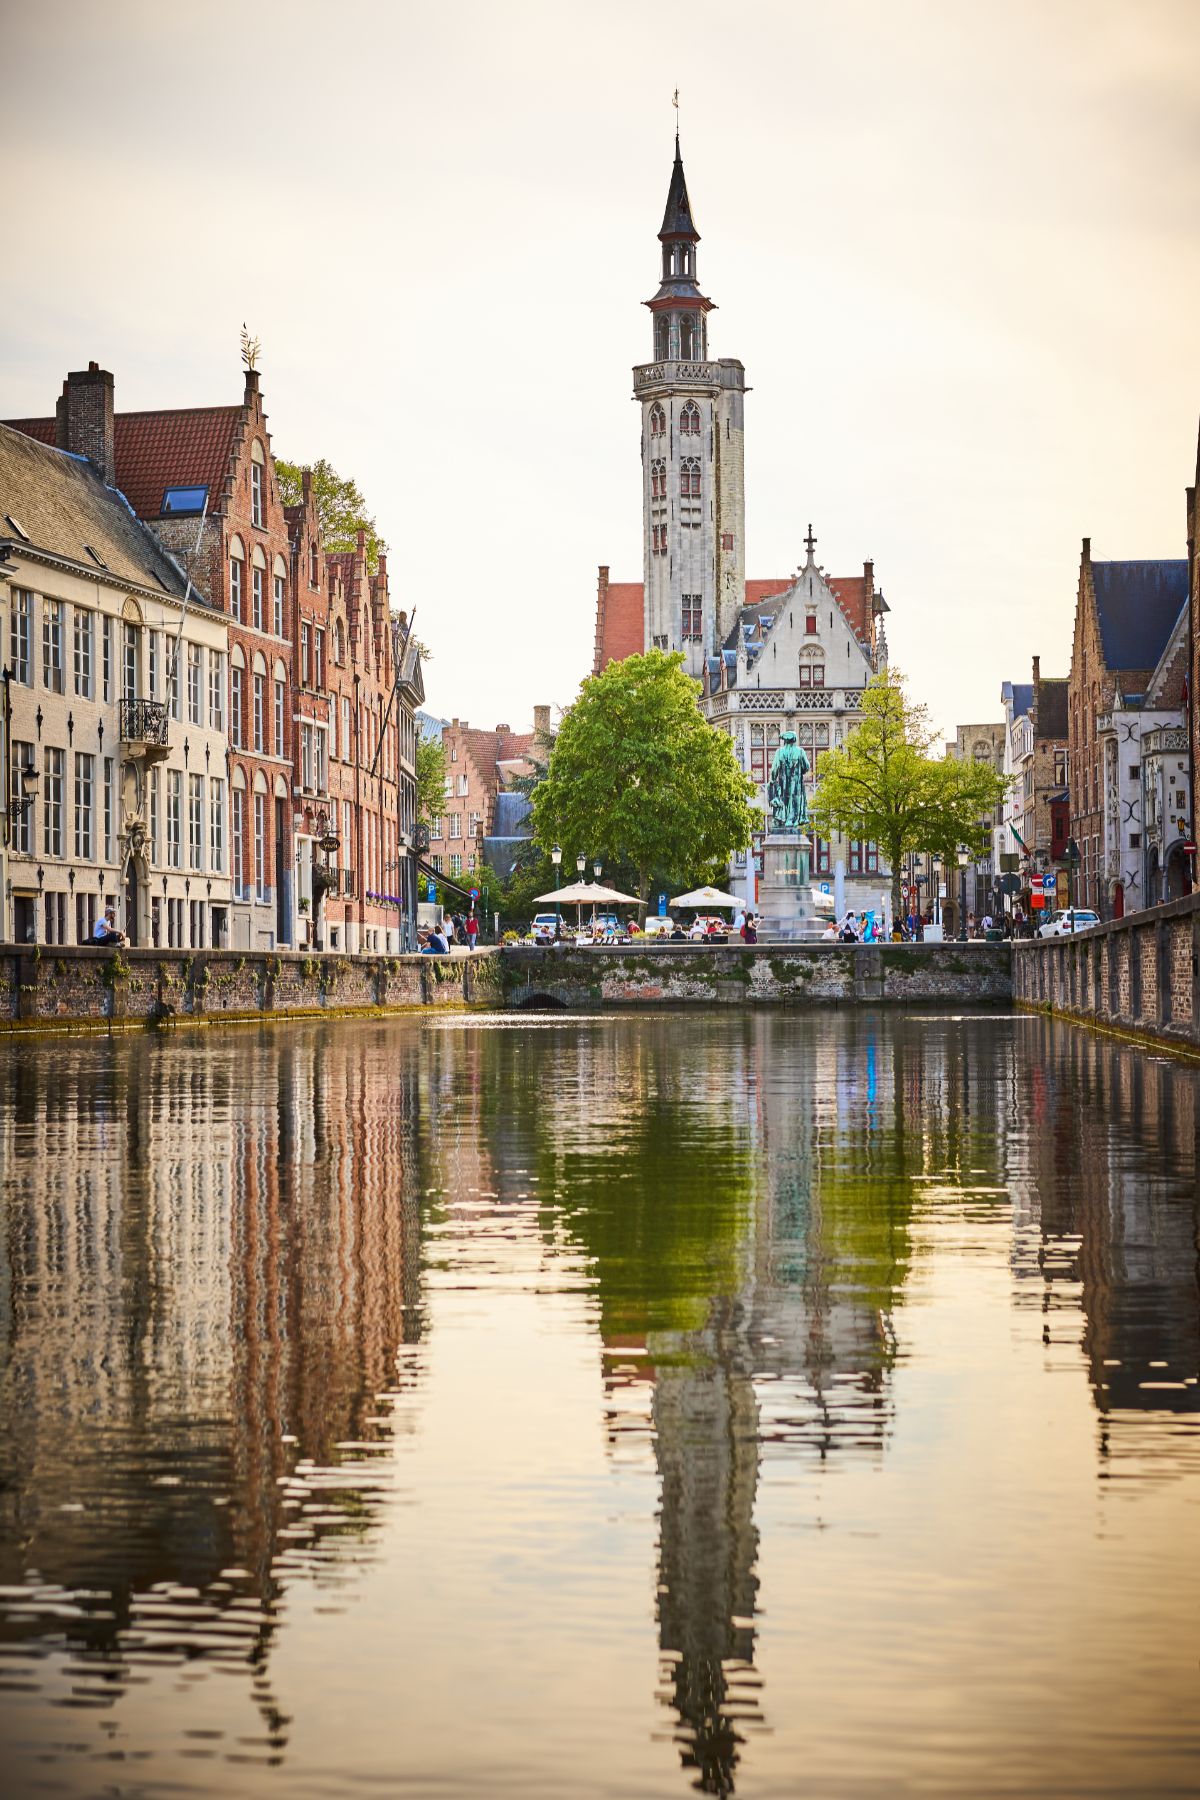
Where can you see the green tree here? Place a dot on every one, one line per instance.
(431, 778)
(639, 778)
(341, 507)
(884, 785)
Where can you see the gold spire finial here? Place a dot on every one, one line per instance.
(250, 348)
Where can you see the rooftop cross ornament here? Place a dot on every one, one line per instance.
(250, 348)
(810, 542)
(786, 798)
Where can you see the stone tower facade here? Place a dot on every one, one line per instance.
(693, 482)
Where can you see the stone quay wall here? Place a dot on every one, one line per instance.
(57, 988)
(67, 988)
(736, 975)
(1139, 974)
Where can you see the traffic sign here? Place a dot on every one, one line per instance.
(1050, 883)
(474, 893)
(1037, 882)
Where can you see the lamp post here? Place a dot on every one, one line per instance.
(556, 859)
(963, 859)
(323, 877)
(937, 890)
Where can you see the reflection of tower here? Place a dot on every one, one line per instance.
(706, 1446)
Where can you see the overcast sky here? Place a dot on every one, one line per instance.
(954, 244)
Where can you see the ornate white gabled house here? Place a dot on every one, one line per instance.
(799, 660)
(769, 653)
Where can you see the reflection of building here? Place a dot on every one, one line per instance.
(212, 1264)
(1114, 1207)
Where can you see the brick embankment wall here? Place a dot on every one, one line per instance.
(63, 988)
(815, 974)
(1138, 974)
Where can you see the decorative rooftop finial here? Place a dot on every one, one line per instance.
(810, 542)
(250, 348)
(675, 104)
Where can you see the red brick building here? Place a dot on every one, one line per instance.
(479, 766)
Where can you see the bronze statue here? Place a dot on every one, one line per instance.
(786, 797)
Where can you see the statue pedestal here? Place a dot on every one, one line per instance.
(784, 895)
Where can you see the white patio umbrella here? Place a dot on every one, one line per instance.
(586, 893)
(705, 896)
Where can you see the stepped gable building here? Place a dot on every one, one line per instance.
(1031, 836)
(203, 479)
(117, 789)
(1128, 665)
(359, 681)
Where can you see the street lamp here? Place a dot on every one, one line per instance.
(556, 859)
(937, 889)
(580, 865)
(29, 786)
(963, 859)
(597, 868)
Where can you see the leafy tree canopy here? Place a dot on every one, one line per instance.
(341, 508)
(885, 785)
(431, 778)
(638, 778)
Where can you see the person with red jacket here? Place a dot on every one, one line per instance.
(472, 929)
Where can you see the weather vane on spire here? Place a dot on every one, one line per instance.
(250, 348)
(675, 104)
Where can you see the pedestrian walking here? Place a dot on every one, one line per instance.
(749, 929)
(472, 930)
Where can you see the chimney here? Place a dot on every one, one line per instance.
(1037, 673)
(1087, 550)
(541, 721)
(84, 419)
(504, 731)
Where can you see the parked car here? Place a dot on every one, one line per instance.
(657, 926)
(543, 926)
(1067, 920)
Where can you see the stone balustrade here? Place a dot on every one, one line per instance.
(1137, 974)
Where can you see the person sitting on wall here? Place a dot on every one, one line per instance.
(106, 930)
(749, 931)
(438, 944)
(849, 931)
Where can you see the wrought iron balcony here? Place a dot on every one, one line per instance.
(144, 726)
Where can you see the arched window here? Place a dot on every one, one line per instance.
(658, 479)
(658, 421)
(258, 582)
(689, 419)
(662, 337)
(258, 485)
(279, 577)
(687, 337)
(689, 478)
(339, 643)
(237, 558)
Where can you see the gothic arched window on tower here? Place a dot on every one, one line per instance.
(662, 337)
(658, 479)
(689, 419)
(692, 622)
(689, 478)
(658, 422)
(687, 337)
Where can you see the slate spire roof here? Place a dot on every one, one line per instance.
(677, 219)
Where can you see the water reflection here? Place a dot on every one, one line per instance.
(226, 1261)
(211, 1279)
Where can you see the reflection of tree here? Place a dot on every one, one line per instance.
(213, 1262)
(743, 1226)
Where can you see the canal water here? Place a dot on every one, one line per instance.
(774, 1403)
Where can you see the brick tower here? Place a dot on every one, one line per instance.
(693, 482)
